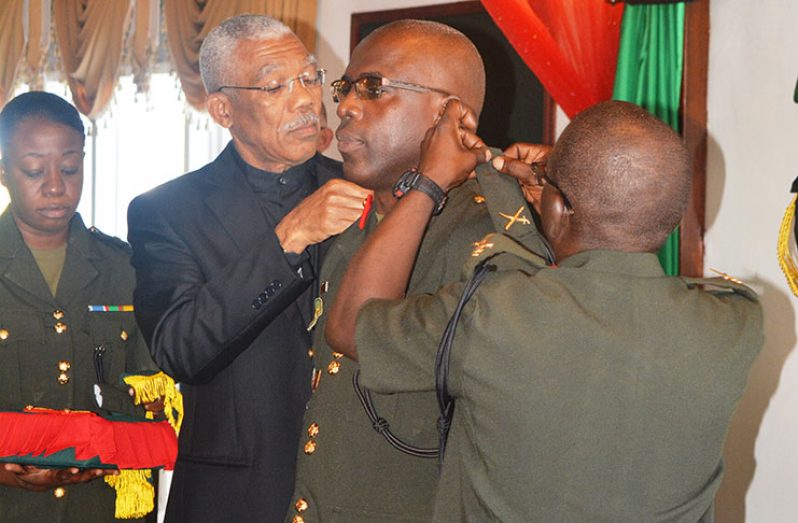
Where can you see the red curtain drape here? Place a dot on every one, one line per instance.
(570, 45)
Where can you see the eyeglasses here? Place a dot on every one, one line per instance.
(275, 88)
(541, 179)
(371, 87)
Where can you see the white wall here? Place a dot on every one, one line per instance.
(753, 157)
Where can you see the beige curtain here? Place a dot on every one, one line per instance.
(90, 35)
(144, 44)
(12, 43)
(31, 70)
(188, 21)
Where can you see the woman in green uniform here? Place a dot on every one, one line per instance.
(56, 339)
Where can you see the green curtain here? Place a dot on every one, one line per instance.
(649, 73)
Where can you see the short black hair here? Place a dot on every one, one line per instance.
(626, 173)
(36, 104)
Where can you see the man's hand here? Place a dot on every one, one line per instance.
(517, 161)
(451, 150)
(326, 212)
(36, 479)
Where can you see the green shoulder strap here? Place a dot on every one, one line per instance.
(509, 210)
(722, 285)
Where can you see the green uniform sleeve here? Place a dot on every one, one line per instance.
(397, 340)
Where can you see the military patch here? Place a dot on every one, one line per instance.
(481, 246)
(512, 219)
(726, 277)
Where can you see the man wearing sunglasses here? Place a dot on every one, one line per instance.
(593, 389)
(225, 257)
(366, 456)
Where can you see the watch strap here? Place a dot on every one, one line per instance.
(414, 179)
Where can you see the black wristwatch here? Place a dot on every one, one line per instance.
(413, 179)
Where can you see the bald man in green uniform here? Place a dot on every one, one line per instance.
(596, 389)
(347, 468)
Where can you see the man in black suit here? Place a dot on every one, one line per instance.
(225, 257)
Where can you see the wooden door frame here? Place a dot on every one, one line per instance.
(693, 115)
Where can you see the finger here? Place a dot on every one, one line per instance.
(482, 154)
(468, 119)
(527, 152)
(515, 168)
(471, 140)
(13, 467)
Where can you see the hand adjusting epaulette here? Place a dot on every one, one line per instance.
(722, 285)
(111, 240)
(508, 209)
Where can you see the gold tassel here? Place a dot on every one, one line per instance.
(135, 495)
(158, 386)
(786, 261)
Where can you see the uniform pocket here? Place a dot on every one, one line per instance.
(21, 332)
(109, 333)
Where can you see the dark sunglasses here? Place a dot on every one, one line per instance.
(541, 179)
(371, 87)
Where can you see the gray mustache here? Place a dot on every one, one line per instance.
(302, 121)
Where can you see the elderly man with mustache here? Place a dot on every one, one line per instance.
(225, 257)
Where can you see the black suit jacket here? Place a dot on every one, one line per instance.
(218, 303)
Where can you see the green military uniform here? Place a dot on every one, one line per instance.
(599, 390)
(47, 347)
(347, 471)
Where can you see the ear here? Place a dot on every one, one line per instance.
(555, 216)
(220, 109)
(325, 139)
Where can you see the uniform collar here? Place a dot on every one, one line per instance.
(634, 263)
(18, 266)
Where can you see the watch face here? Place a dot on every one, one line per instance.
(405, 182)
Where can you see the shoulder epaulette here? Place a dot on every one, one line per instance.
(506, 251)
(721, 286)
(510, 212)
(111, 240)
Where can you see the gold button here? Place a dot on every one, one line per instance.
(313, 430)
(58, 314)
(3, 334)
(297, 519)
(478, 198)
(123, 335)
(63, 379)
(337, 355)
(64, 365)
(60, 492)
(60, 328)
(311, 352)
(334, 367)
(301, 505)
(310, 447)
